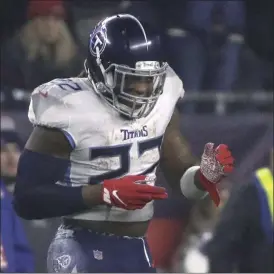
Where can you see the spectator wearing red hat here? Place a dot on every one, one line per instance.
(42, 50)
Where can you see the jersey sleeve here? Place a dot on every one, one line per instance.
(49, 107)
(176, 83)
(181, 89)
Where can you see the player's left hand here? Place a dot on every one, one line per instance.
(215, 165)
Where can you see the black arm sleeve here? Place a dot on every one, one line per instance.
(229, 239)
(36, 195)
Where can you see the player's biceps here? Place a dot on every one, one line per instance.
(174, 122)
(49, 141)
(170, 142)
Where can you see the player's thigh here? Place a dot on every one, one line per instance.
(132, 255)
(146, 264)
(66, 254)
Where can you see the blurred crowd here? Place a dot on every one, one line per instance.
(208, 43)
(205, 42)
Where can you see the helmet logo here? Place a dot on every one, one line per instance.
(97, 41)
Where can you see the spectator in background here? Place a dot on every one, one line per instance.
(214, 43)
(11, 145)
(42, 50)
(205, 43)
(16, 255)
(86, 14)
(9, 159)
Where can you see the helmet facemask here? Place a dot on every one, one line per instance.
(133, 92)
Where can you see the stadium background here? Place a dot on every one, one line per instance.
(223, 51)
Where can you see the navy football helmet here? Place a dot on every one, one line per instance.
(126, 65)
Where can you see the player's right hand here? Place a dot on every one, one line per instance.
(131, 192)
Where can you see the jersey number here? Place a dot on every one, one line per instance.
(66, 84)
(122, 151)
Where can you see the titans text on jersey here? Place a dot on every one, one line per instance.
(134, 133)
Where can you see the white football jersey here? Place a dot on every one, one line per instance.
(105, 144)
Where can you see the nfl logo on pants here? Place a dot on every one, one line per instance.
(98, 255)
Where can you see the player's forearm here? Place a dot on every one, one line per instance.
(173, 176)
(180, 169)
(55, 201)
(185, 180)
(178, 163)
(92, 195)
(37, 196)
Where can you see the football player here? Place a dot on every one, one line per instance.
(96, 143)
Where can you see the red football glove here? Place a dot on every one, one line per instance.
(130, 192)
(215, 165)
